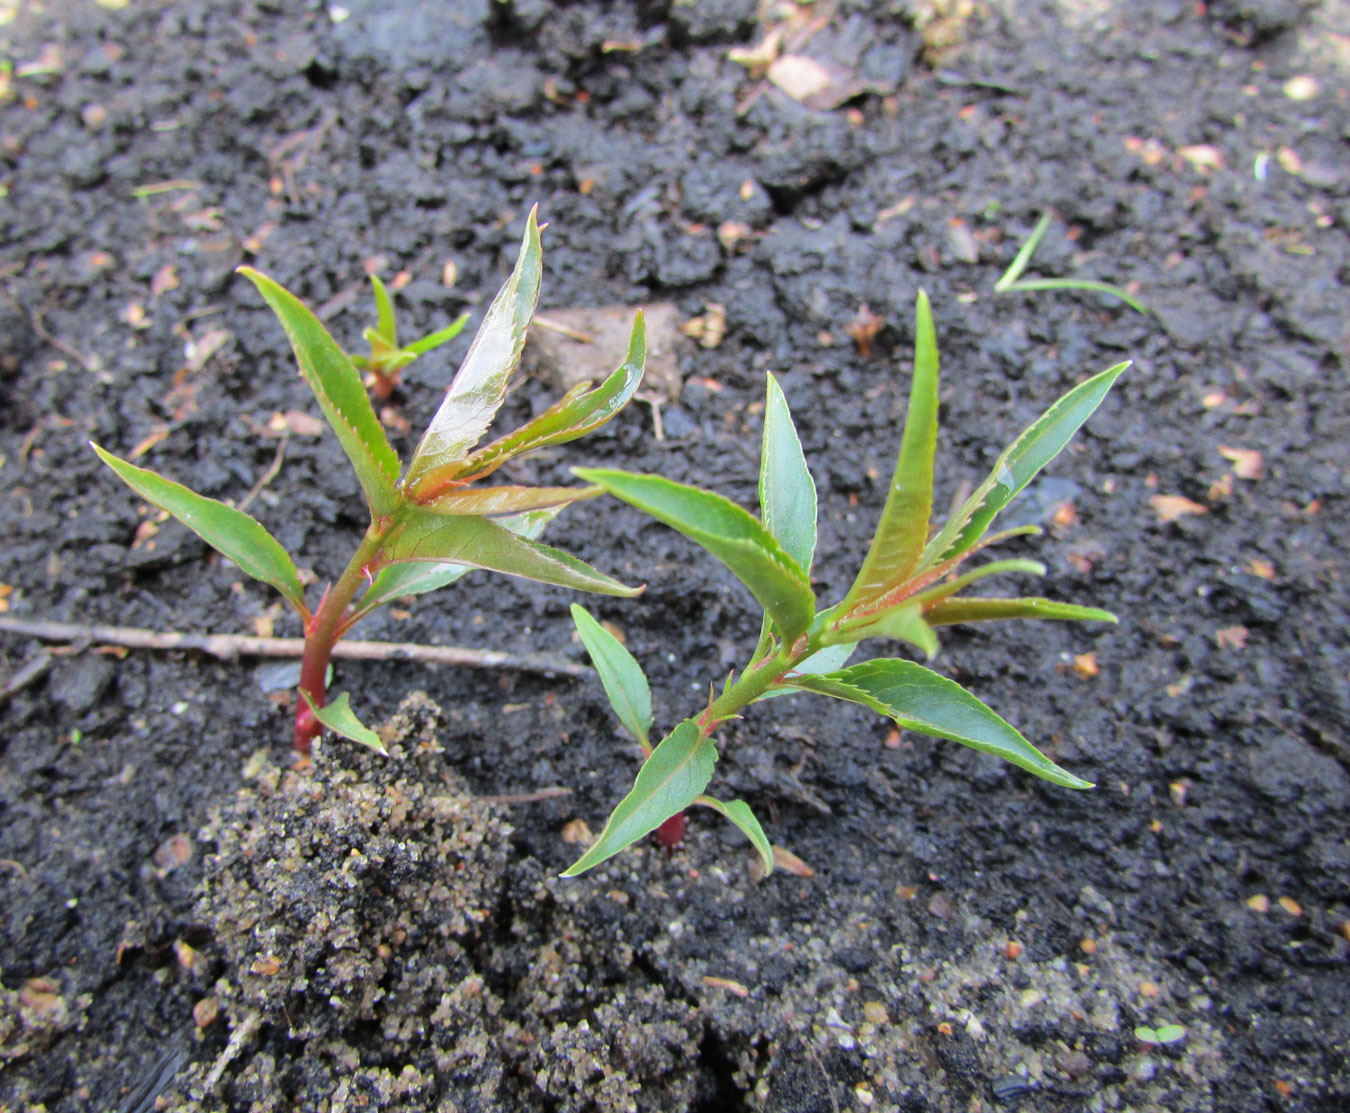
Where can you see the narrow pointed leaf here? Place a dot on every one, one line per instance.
(337, 716)
(1019, 264)
(436, 339)
(906, 623)
(232, 533)
(398, 581)
(921, 700)
(903, 529)
(479, 543)
(577, 413)
(1031, 285)
(624, 681)
(1032, 450)
(731, 534)
(476, 393)
(491, 502)
(787, 493)
(384, 309)
(337, 385)
(677, 772)
(950, 587)
(947, 612)
(738, 811)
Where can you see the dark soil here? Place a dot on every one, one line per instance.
(177, 912)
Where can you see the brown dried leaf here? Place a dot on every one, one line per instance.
(295, 421)
(1169, 508)
(1247, 462)
(788, 862)
(1232, 637)
(799, 77)
(1203, 157)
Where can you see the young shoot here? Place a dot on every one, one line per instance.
(429, 524)
(911, 583)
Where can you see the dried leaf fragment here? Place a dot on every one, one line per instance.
(863, 329)
(1232, 637)
(1203, 157)
(735, 988)
(1247, 463)
(1169, 508)
(798, 76)
(788, 862)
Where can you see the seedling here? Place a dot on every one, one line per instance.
(387, 359)
(1012, 279)
(430, 527)
(909, 585)
(1162, 1035)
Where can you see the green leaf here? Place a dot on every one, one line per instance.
(921, 700)
(623, 678)
(436, 339)
(337, 385)
(903, 529)
(787, 493)
(398, 581)
(491, 502)
(829, 659)
(905, 623)
(232, 533)
(731, 534)
(738, 811)
(1012, 278)
(1019, 264)
(1028, 454)
(338, 717)
(577, 413)
(951, 611)
(476, 393)
(384, 308)
(678, 770)
(994, 568)
(479, 543)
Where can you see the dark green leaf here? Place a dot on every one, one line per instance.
(578, 412)
(678, 770)
(479, 543)
(476, 393)
(731, 534)
(231, 532)
(921, 700)
(951, 611)
(337, 385)
(338, 717)
(787, 493)
(398, 581)
(1031, 451)
(623, 678)
(738, 811)
(903, 529)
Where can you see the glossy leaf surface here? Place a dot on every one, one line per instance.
(948, 612)
(337, 385)
(1032, 450)
(623, 679)
(921, 700)
(675, 774)
(738, 811)
(386, 327)
(337, 716)
(479, 543)
(577, 413)
(731, 534)
(232, 533)
(903, 528)
(492, 502)
(787, 493)
(479, 386)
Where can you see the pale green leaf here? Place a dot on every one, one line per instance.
(232, 533)
(958, 583)
(476, 393)
(423, 535)
(729, 533)
(623, 679)
(385, 328)
(921, 700)
(577, 413)
(675, 774)
(787, 493)
(436, 339)
(738, 811)
(337, 385)
(1028, 454)
(492, 502)
(951, 611)
(904, 623)
(903, 528)
(337, 716)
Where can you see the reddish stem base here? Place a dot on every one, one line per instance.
(671, 833)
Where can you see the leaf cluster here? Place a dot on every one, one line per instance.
(911, 583)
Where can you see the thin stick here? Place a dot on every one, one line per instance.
(33, 671)
(229, 646)
(528, 797)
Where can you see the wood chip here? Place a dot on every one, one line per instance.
(1290, 905)
(1085, 664)
(799, 77)
(297, 422)
(730, 986)
(1169, 508)
(1203, 157)
(1259, 903)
